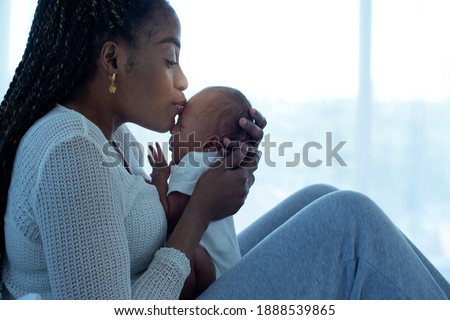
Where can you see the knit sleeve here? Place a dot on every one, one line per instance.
(80, 215)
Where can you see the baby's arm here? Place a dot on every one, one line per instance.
(174, 203)
(160, 174)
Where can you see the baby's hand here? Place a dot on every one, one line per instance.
(158, 162)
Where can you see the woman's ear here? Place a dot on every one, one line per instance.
(109, 56)
(212, 144)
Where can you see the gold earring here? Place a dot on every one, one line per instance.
(112, 87)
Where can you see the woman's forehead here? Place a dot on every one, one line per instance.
(165, 29)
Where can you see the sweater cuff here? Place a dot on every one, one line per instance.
(178, 258)
(166, 276)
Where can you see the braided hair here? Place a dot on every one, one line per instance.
(63, 43)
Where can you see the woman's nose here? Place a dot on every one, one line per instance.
(181, 82)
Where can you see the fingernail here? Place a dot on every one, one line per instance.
(243, 121)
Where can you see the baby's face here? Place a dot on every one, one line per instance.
(193, 128)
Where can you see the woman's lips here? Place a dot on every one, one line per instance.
(180, 106)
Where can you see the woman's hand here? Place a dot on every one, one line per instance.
(249, 148)
(224, 188)
(255, 128)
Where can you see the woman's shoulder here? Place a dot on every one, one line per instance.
(59, 125)
(59, 136)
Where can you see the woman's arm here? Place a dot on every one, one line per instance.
(177, 202)
(202, 275)
(79, 207)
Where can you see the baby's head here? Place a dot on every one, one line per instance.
(207, 118)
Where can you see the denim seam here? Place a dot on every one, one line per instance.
(352, 259)
(386, 278)
(329, 273)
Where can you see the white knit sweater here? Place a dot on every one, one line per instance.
(77, 229)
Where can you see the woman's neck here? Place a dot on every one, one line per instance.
(95, 108)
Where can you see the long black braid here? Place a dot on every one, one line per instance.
(62, 45)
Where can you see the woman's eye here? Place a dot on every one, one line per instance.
(171, 63)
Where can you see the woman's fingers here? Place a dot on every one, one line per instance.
(254, 128)
(233, 154)
(251, 160)
(240, 154)
(259, 119)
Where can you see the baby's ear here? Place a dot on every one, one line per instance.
(212, 144)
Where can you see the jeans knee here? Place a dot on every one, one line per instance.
(353, 197)
(316, 190)
(356, 205)
(321, 188)
(307, 195)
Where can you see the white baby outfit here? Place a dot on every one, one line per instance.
(219, 239)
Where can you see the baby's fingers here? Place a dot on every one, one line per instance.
(151, 160)
(160, 153)
(152, 151)
(153, 157)
(156, 156)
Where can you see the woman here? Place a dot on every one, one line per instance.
(77, 227)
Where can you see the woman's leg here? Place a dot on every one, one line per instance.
(267, 223)
(341, 246)
(438, 277)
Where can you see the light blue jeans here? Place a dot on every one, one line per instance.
(322, 243)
